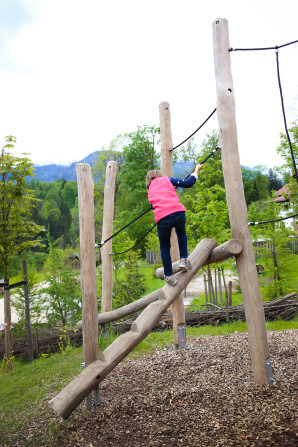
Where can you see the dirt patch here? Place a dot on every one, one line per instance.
(203, 395)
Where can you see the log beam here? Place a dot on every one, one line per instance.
(220, 253)
(73, 394)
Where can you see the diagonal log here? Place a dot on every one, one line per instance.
(219, 253)
(73, 394)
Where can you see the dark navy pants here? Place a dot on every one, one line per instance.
(164, 229)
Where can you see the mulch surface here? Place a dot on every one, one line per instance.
(203, 395)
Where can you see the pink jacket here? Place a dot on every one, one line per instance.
(163, 198)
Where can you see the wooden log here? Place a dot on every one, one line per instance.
(223, 251)
(167, 170)
(129, 309)
(107, 230)
(245, 261)
(220, 253)
(88, 263)
(71, 396)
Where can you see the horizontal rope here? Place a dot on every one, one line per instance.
(250, 224)
(276, 47)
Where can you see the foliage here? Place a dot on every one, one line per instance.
(35, 299)
(256, 184)
(57, 210)
(287, 169)
(62, 301)
(277, 257)
(207, 212)
(112, 153)
(17, 231)
(132, 286)
(140, 157)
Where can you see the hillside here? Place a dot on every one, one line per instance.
(52, 172)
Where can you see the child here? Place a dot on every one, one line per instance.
(169, 213)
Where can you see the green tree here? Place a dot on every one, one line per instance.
(276, 255)
(63, 296)
(287, 169)
(140, 156)
(133, 285)
(17, 230)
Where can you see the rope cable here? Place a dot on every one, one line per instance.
(123, 228)
(284, 115)
(251, 224)
(276, 47)
(125, 251)
(194, 131)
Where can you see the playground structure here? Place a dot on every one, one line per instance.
(205, 252)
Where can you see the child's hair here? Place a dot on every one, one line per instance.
(151, 175)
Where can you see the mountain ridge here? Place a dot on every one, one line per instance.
(52, 172)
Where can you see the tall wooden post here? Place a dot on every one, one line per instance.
(88, 267)
(248, 278)
(167, 170)
(27, 312)
(107, 230)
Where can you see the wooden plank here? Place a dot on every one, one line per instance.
(245, 261)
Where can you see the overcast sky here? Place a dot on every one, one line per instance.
(76, 73)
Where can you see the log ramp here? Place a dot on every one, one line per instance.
(73, 394)
(220, 253)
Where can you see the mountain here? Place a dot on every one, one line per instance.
(52, 172)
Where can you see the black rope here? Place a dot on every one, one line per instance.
(251, 224)
(284, 116)
(121, 252)
(265, 48)
(123, 228)
(218, 148)
(193, 132)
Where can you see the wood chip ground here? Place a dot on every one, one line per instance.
(203, 395)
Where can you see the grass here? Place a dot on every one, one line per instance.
(25, 392)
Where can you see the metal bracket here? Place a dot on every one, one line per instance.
(95, 393)
(181, 337)
(269, 371)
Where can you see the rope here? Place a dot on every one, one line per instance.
(276, 48)
(194, 131)
(250, 224)
(284, 116)
(123, 228)
(121, 252)
(265, 48)
(218, 148)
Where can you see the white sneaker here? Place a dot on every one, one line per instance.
(182, 265)
(171, 280)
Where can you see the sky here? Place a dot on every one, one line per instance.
(74, 74)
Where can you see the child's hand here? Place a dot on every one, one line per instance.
(198, 168)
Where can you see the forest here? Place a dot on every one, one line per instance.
(51, 243)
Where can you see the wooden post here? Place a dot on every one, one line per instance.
(7, 321)
(27, 312)
(219, 286)
(245, 261)
(107, 230)
(230, 292)
(88, 265)
(167, 170)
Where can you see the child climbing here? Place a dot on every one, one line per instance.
(169, 213)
